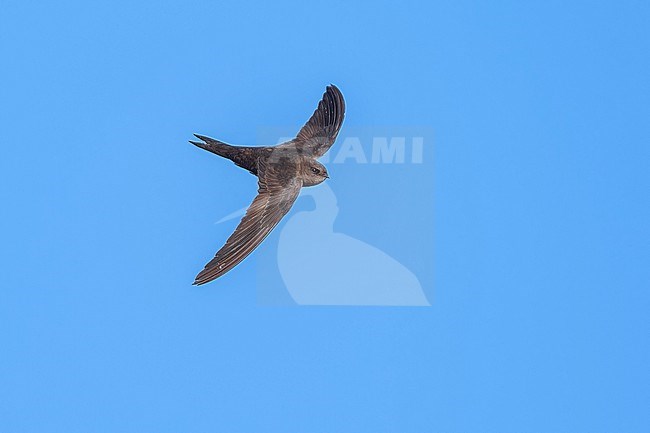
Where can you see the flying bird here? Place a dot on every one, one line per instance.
(282, 171)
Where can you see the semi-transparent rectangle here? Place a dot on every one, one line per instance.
(364, 236)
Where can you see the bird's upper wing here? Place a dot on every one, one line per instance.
(320, 131)
(276, 194)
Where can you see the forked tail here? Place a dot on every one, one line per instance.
(245, 157)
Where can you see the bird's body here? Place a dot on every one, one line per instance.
(282, 171)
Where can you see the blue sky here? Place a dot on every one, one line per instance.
(540, 239)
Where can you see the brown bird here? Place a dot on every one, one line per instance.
(281, 170)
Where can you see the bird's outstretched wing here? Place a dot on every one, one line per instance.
(276, 194)
(320, 131)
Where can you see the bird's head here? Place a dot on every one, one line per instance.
(314, 173)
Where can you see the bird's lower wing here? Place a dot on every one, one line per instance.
(275, 198)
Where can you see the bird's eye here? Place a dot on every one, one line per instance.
(315, 170)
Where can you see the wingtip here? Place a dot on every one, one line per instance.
(332, 86)
(336, 94)
(203, 277)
